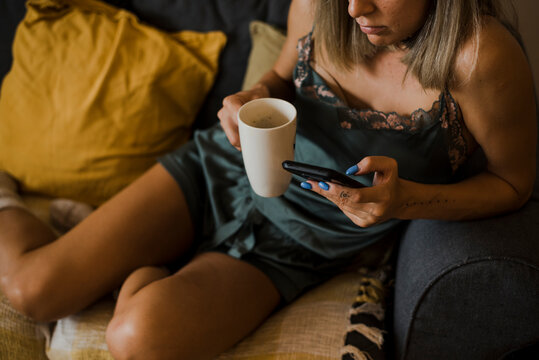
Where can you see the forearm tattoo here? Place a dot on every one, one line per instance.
(439, 202)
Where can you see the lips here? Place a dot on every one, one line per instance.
(372, 30)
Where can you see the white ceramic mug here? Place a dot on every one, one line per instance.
(267, 130)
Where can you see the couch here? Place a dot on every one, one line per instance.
(451, 290)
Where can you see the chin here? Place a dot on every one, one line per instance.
(380, 41)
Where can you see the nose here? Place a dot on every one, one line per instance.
(357, 8)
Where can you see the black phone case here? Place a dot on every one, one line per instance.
(317, 173)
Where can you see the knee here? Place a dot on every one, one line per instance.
(137, 334)
(27, 292)
(127, 337)
(118, 336)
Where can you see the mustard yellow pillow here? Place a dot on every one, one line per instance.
(94, 96)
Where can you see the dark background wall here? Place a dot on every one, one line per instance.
(528, 12)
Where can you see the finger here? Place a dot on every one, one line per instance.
(345, 196)
(369, 194)
(231, 131)
(362, 213)
(233, 103)
(362, 219)
(306, 185)
(370, 164)
(227, 116)
(233, 135)
(315, 187)
(342, 196)
(333, 192)
(326, 189)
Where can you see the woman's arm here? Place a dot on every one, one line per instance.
(498, 106)
(278, 81)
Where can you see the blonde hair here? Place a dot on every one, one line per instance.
(431, 51)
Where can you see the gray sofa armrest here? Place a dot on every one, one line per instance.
(468, 290)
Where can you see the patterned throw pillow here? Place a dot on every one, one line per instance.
(366, 336)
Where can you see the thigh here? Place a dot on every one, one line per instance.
(206, 307)
(147, 223)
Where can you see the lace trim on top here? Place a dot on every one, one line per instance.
(444, 110)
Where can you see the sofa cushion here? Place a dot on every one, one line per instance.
(21, 338)
(323, 324)
(82, 336)
(467, 289)
(94, 96)
(340, 319)
(232, 17)
(266, 44)
(11, 14)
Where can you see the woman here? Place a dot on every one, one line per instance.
(404, 89)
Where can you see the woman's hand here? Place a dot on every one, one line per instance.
(370, 205)
(229, 112)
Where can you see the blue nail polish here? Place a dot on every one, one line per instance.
(306, 185)
(352, 170)
(323, 185)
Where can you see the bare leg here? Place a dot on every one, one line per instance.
(147, 223)
(203, 309)
(20, 232)
(137, 280)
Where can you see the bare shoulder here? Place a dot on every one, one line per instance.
(301, 16)
(493, 70)
(494, 56)
(300, 22)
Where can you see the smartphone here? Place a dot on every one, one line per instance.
(317, 173)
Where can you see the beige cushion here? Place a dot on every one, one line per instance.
(21, 338)
(266, 44)
(311, 328)
(82, 336)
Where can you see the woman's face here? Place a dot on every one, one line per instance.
(387, 22)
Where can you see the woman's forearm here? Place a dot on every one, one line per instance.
(480, 196)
